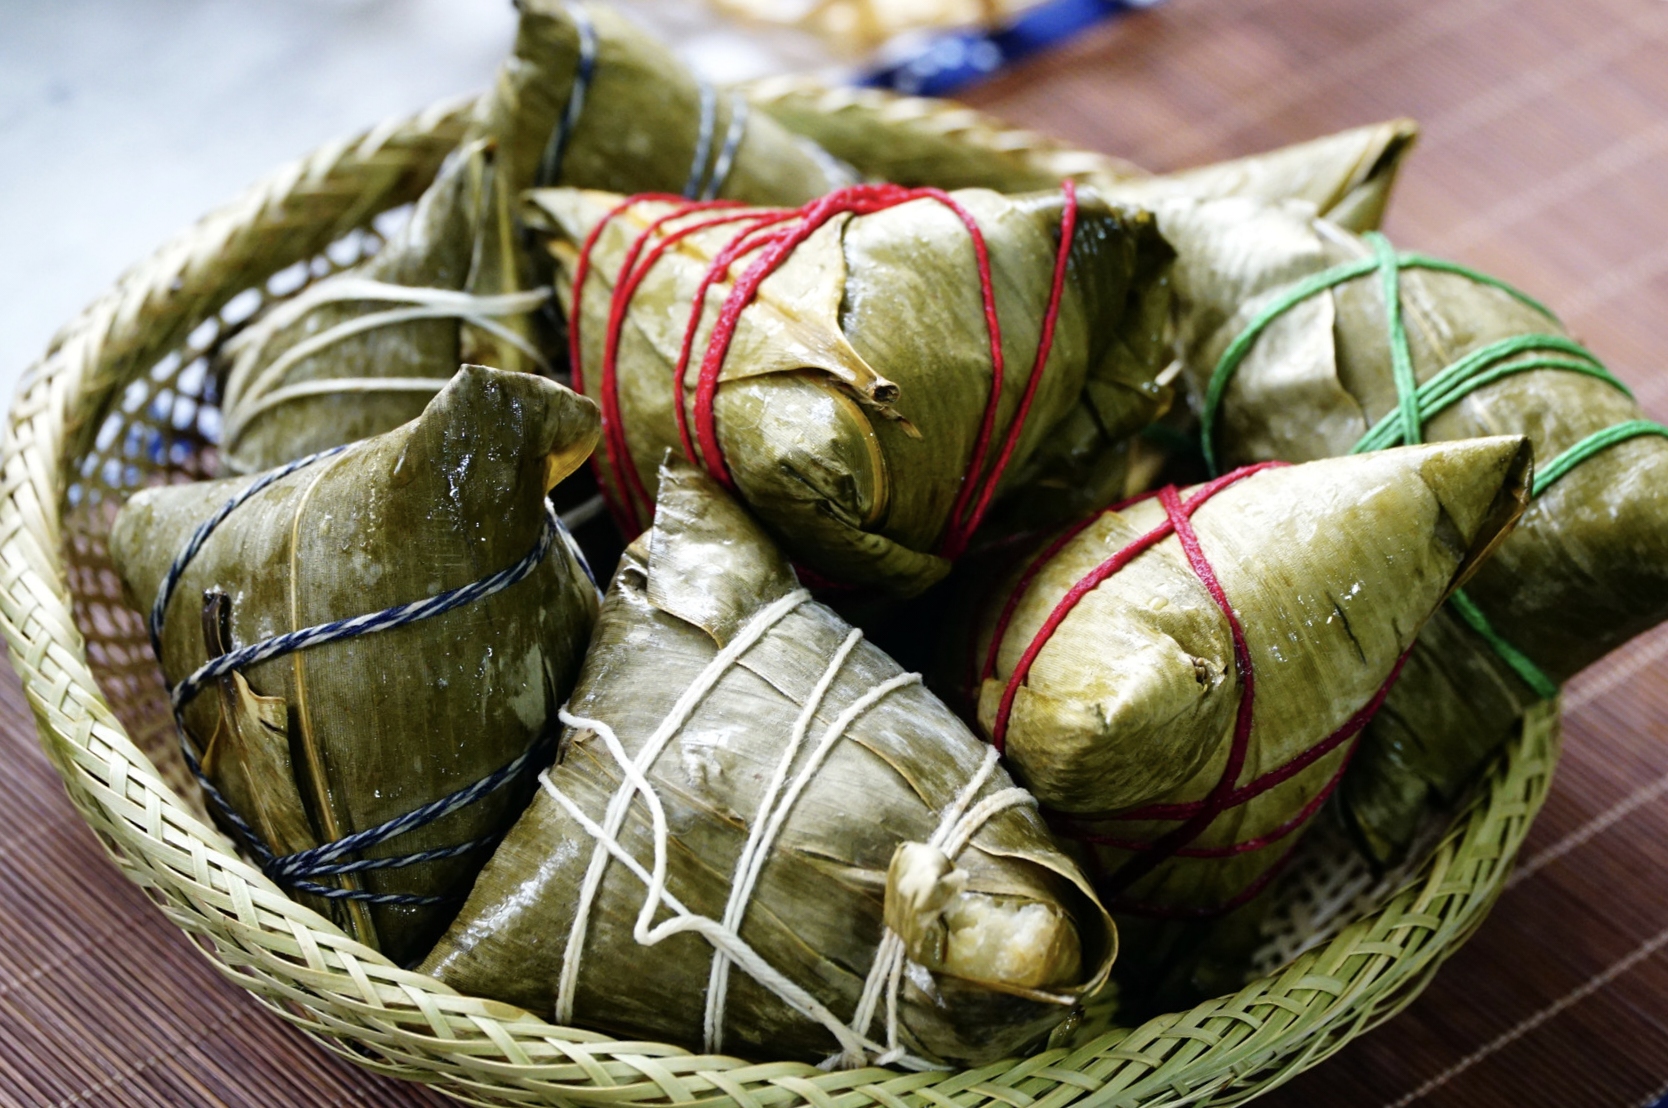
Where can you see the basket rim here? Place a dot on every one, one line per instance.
(354, 1000)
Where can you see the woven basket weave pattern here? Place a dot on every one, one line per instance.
(124, 399)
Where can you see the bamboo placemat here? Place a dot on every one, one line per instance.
(1544, 160)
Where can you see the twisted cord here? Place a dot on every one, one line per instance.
(614, 816)
(750, 863)
(739, 109)
(389, 618)
(956, 827)
(692, 189)
(773, 234)
(171, 580)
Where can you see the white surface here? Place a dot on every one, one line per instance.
(122, 121)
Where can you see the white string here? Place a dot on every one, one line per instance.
(245, 399)
(657, 895)
(723, 938)
(584, 512)
(751, 861)
(616, 811)
(327, 387)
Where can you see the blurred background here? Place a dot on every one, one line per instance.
(122, 121)
(1543, 160)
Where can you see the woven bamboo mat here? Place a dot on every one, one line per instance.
(1545, 160)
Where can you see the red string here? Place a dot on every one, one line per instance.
(1239, 899)
(1235, 799)
(961, 530)
(978, 673)
(630, 278)
(576, 368)
(774, 234)
(1194, 816)
(1083, 588)
(857, 200)
(1215, 801)
(717, 271)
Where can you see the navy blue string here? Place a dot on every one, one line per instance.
(550, 166)
(159, 609)
(398, 616)
(578, 555)
(732, 143)
(324, 860)
(703, 142)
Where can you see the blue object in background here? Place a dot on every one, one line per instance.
(953, 60)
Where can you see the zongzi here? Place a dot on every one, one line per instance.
(586, 99)
(590, 100)
(1180, 680)
(364, 351)
(367, 648)
(1305, 341)
(1347, 176)
(871, 372)
(762, 836)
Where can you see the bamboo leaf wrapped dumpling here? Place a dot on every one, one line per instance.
(1347, 176)
(586, 98)
(591, 100)
(364, 351)
(870, 372)
(919, 141)
(1288, 342)
(1180, 680)
(313, 733)
(764, 837)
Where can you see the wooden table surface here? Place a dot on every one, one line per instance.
(1544, 160)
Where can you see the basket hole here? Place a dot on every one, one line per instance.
(133, 397)
(204, 333)
(345, 250)
(392, 222)
(208, 424)
(107, 432)
(241, 306)
(288, 280)
(185, 413)
(165, 366)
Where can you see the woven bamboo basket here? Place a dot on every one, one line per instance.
(124, 398)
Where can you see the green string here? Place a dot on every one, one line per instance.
(1532, 675)
(1479, 368)
(1594, 443)
(1241, 346)
(1415, 403)
(1401, 358)
(1303, 290)
(1467, 609)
